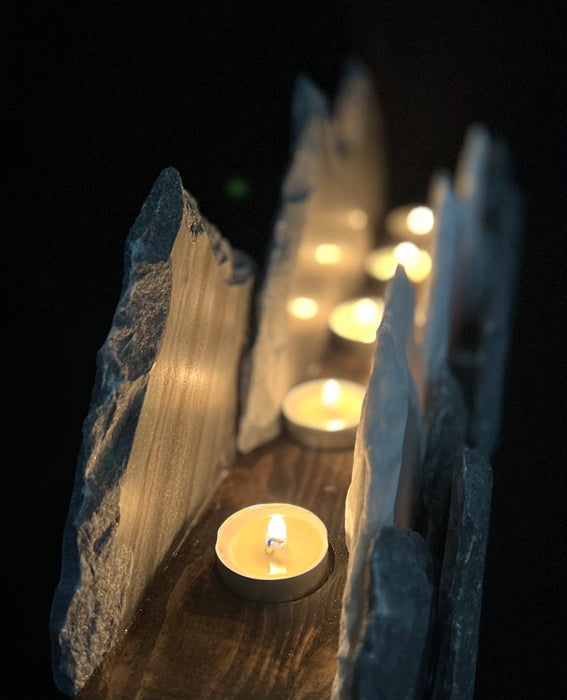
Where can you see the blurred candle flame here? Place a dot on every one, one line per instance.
(420, 220)
(328, 254)
(303, 307)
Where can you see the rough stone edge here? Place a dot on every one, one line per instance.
(393, 336)
(123, 365)
(461, 584)
(409, 570)
(260, 396)
(437, 332)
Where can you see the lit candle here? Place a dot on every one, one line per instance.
(303, 307)
(272, 552)
(382, 262)
(356, 321)
(411, 222)
(324, 413)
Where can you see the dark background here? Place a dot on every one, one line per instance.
(98, 98)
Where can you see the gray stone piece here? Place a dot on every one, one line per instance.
(266, 374)
(358, 128)
(446, 418)
(331, 197)
(137, 489)
(392, 663)
(506, 214)
(437, 331)
(491, 228)
(460, 589)
(387, 450)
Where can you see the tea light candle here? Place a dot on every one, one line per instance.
(272, 552)
(381, 263)
(356, 321)
(410, 222)
(324, 413)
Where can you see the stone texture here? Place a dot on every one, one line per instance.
(460, 589)
(447, 419)
(392, 663)
(335, 170)
(387, 450)
(267, 373)
(488, 254)
(437, 331)
(164, 403)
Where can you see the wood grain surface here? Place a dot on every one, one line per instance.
(193, 639)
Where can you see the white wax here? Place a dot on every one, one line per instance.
(324, 404)
(241, 542)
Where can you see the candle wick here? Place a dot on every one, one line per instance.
(274, 543)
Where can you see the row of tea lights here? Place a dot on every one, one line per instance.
(277, 552)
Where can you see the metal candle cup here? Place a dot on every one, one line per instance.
(267, 568)
(324, 413)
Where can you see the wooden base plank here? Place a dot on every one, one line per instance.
(194, 639)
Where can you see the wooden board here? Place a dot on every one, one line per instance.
(193, 639)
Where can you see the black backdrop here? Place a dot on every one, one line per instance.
(99, 97)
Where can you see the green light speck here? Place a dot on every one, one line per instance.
(237, 187)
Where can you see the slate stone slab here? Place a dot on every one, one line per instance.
(392, 663)
(460, 588)
(267, 373)
(437, 331)
(332, 195)
(491, 222)
(387, 450)
(163, 406)
(447, 420)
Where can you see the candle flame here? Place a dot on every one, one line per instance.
(381, 263)
(331, 392)
(407, 253)
(328, 254)
(303, 307)
(416, 262)
(366, 312)
(276, 533)
(420, 220)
